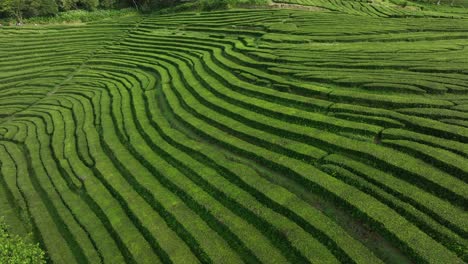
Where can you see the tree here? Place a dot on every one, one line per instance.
(14, 8)
(14, 250)
(88, 4)
(42, 8)
(66, 5)
(20, 9)
(108, 3)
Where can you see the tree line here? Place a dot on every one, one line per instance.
(20, 9)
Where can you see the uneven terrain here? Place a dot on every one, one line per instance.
(325, 135)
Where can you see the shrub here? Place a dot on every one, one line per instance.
(14, 250)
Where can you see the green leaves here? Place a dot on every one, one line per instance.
(14, 250)
(28, 8)
(13, 8)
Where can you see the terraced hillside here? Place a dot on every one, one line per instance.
(259, 135)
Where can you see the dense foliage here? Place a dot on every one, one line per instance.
(51, 11)
(20, 9)
(14, 250)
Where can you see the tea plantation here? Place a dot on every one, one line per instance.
(325, 131)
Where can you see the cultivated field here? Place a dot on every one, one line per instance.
(324, 135)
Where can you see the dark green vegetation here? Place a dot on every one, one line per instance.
(261, 135)
(52, 11)
(21, 9)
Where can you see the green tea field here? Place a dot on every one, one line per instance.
(309, 131)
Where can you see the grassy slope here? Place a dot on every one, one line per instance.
(241, 135)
